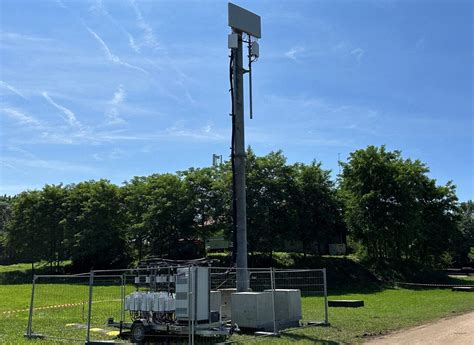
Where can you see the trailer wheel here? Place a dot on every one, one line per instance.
(138, 332)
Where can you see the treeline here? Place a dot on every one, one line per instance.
(392, 211)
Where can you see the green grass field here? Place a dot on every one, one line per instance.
(384, 311)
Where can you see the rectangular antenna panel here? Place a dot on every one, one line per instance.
(243, 20)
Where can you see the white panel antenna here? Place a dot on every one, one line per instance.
(242, 20)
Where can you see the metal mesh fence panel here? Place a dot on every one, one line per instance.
(93, 306)
(106, 304)
(313, 286)
(60, 307)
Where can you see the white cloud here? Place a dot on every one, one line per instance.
(99, 8)
(149, 40)
(20, 116)
(112, 114)
(110, 56)
(201, 134)
(61, 4)
(70, 116)
(294, 51)
(7, 86)
(420, 44)
(328, 118)
(17, 37)
(358, 53)
(47, 164)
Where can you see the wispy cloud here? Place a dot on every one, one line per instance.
(47, 164)
(70, 116)
(19, 116)
(7, 86)
(294, 52)
(18, 38)
(324, 116)
(205, 133)
(112, 114)
(98, 7)
(110, 56)
(61, 4)
(344, 48)
(112, 155)
(149, 38)
(420, 43)
(358, 53)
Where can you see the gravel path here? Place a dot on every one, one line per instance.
(458, 330)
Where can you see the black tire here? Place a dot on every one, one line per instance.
(138, 332)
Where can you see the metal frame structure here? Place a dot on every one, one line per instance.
(308, 281)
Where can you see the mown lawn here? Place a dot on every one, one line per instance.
(384, 311)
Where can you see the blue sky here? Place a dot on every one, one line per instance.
(115, 89)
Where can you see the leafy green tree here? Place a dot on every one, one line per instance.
(25, 232)
(5, 219)
(135, 202)
(94, 225)
(160, 212)
(50, 215)
(268, 200)
(35, 231)
(209, 199)
(395, 210)
(465, 253)
(170, 215)
(316, 210)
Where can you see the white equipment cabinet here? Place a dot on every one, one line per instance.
(287, 307)
(192, 293)
(252, 310)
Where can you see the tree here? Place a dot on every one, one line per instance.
(94, 225)
(169, 216)
(5, 219)
(268, 199)
(209, 199)
(465, 253)
(25, 235)
(160, 212)
(50, 215)
(316, 210)
(395, 210)
(136, 203)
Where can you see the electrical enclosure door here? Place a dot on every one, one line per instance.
(192, 293)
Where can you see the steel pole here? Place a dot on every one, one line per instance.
(239, 161)
(272, 279)
(326, 318)
(89, 312)
(122, 301)
(30, 316)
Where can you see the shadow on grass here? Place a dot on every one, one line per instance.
(26, 276)
(344, 275)
(313, 340)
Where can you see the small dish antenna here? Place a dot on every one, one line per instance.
(242, 22)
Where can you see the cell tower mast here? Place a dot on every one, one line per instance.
(242, 22)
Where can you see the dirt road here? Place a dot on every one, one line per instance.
(458, 330)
